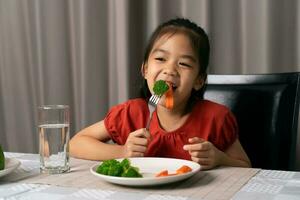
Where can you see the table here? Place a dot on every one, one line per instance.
(222, 183)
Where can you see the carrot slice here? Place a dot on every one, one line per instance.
(169, 98)
(183, 169)
(162, 173)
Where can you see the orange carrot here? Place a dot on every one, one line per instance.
(183, 169)
(162, 173)
(169, 98)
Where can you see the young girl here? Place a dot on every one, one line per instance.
(194, 129)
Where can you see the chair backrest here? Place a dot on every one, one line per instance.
(266, 107)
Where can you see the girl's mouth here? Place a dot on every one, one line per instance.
(174, 87)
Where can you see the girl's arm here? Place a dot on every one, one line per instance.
(235, 156)
(90, 143)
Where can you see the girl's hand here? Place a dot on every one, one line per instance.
(203, 152)
(136, 143)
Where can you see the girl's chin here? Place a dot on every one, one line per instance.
(163, 105)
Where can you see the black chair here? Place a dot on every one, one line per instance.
(266, 107)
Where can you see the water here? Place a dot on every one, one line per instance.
(54, 148)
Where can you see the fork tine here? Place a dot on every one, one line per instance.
(157, 100)
(151, 98)
(154, 99)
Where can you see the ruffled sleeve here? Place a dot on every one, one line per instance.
(226, 132)
(113, 123)
(125, 118)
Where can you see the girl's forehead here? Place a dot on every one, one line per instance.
(181, 41)
(161, 40)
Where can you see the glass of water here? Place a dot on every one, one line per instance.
(54, 135)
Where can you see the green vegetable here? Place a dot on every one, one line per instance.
(2, 159)
(160, 87)
(125, 163)
(131, 172)
(115, 168)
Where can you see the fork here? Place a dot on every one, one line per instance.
(152, 103)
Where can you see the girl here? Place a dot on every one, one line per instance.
(194, 129)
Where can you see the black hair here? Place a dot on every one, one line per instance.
(200, 44)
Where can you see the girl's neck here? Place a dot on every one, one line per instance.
(171, 120)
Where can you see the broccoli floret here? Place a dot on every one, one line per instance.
(102, 169)
(105, 167)
(112, 162)
(131, 172)
(160, 87)
(125, 164)
(2, 159)
(116, 168)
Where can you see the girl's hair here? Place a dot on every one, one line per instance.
(200, 44)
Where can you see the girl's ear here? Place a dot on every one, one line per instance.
(199, 82)
(144, 70)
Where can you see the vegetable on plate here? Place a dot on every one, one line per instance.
(116, 168)
(2, 159)
(182, 170)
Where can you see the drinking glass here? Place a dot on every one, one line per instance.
(54, 135)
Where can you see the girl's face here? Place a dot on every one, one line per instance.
(173, 60)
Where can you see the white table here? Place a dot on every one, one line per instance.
(223, 183)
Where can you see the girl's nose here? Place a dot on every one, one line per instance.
(170, 70)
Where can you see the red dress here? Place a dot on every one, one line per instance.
(208, 120)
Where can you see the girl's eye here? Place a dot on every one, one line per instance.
(160, 59)
(184, 64)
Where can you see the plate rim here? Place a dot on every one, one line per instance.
(15, 165)
(145, 181)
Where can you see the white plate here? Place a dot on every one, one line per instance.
(10, 165)
(149, 167)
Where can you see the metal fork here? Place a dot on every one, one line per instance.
(152, 103)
